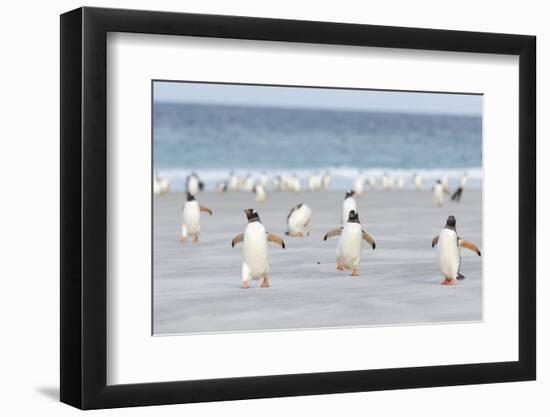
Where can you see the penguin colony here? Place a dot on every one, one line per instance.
(351, 234)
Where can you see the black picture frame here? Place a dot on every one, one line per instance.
(84, 207)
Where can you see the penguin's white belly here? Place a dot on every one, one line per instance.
(348, 250)
(255, 254)
(298, 219)
(191, 217)
(448, 253)
(348, 205)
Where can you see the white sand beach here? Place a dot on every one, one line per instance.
(197, 286)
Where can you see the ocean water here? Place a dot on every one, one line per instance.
(213, 140)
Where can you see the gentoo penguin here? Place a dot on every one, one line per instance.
(348, 251)
(156, 185)
(457, 195)
(263, 180)
(438, 193)
(234, 183)
(194, 184)
(191, 218)
(286, 183)
(326, 180)
(298, 221)
(249, 183)
(160, 185)
(259, 190)
(448, 251)
(464, 180)
(255, 254)
(372, 182)
(400, 183)
(387, 182)
(295, 181)
(314, 182)
(348, 205)
(417, 179)
(359, 184)
(276, 183)
(445, 183)
(221, 187)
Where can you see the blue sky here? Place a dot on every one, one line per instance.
(338, 99)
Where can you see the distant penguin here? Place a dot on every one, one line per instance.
(438, 194)
(372, 182)
(448, 251)
(156, 185)
(315, 182)
(298, 221)
(400, 183)
(276, 183)
(445, 183)
(255, 251)
(263, 180)
(286, 182)
(296, 186)
(348, 205)
(191, 218)
(348, 251)
(464, 180)
(194, 184)
(160, 185)
(249, 183)
(233, 183)
(359, 184)
(221, 187)
(387, 182)
(457, 195)
(417, 179)
(326, 180)
(260, 193)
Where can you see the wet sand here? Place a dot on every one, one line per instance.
(197, 286)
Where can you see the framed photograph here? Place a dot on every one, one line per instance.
(257, 208)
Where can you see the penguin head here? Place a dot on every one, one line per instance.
(451, 222)
(350, 193)
(252, 215)
(353, 217)
(438, 181)
(190, 197)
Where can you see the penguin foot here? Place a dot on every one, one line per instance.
(340, 267)
(448, 281)
(354, 272)
(183, 239)
(196, 239)
(245, 285)
(265, 283)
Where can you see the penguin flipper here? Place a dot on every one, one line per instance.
(275, 239)
(435, 240)
(459, 276)
(469, 245)
(333, 232)
(237, 239)
(206, 209)
(369, 239)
